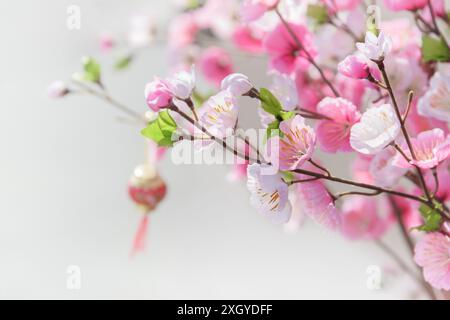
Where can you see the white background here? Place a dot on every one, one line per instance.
(64, 167)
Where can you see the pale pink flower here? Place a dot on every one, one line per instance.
(57, 89)
(379, 126)
(342, 5)
(248, 39)
(252, 10)
(283, 87)
(237, 84)
(360, 169)
(334, 134)
(353, 90)
(399, 5)
(157, 94)
(182, 83)
(404, 34)
(218, 16)
(142, 31)
(106, 42)
(430, 147)
(285, 55)
(182, 30)
(316, 202)
(375, 47)
(219, 114)
(309, 91)
(297, 216)
(269, 194)
(296, 145)
(354, 67)
(360, 219)
(215, 64)
(382, 168)
(436, 102)
(432, 253)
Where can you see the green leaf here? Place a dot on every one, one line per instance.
(269, 102)
(431, 217)
(166, 123)
(288, 176)
(434, 49)
(273, 129)
(318, 13)
(91, 70)
(123, 62)
(287, 115)
(161, 130)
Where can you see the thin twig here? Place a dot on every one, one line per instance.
(315, 164)
(408, 107)
(104, 95)
(349, 193)
(382, 68)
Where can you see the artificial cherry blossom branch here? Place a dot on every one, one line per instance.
(104, 95)
(222, 142)
(308, 55)
(382, 68)
(360, 185)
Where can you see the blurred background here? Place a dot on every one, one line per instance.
(64, 171)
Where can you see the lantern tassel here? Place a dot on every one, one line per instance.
(140, 236)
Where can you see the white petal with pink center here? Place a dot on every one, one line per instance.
(379, 126)
(269, 194)
(295, 146)
(219, 114)
(436, 102)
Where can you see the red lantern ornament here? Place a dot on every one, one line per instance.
(146, 189)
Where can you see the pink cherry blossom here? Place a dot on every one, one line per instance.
(334, 134)
(399, 5)
(252, 10)
(360, 218)
(237, 84)
(382, 169)
(435, 102)
(354, 67)
(295, 147)
(430, 147)
(352, 89)
(285, 54)
(106, 42)
(342, 5)
(248, 39)
(182, 30)
(432, 253)
(316, 201)
(215, 64)
(157, 94)
(269, 194)
(57, 89)
(309, 91)
(404, 34)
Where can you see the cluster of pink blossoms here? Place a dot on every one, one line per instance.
(381, 93)
(380, 100)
